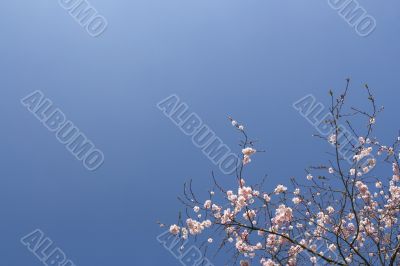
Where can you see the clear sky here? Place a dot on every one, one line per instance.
(248, 59)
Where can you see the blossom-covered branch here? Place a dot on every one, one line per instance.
(337, 213)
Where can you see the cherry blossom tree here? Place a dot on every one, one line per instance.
(338, 213)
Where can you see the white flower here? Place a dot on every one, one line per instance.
(210, 240)
(241, 127)
(309, 177)
(330, 170)
(267, 198)
(296, 200)
(207, 204)
(248, 151)
(332, 139)
(206, 223)
(249, 214)
(330, 210)
(246, 160)
(196, 208)
(184, 233)
(282, 214)
(195, 227)
(174, 229)
(234, 123)
(280, 189)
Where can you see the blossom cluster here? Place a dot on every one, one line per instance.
(335, 214)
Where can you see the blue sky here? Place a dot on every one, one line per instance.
(247, 59)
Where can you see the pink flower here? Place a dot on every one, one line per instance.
(280, 189)
(332, 139)
(248, 151)
(207, 204)
(330, 210)
(282, 215)
(246, 159)
(296, 200)
(174, 229)
(267, 198)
